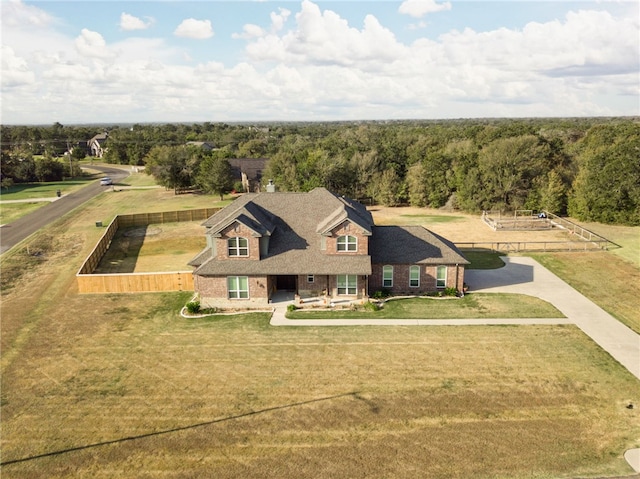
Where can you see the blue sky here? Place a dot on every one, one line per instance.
(150, 61)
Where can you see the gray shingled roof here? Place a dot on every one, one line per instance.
(295, 222)
(294, 246)
(412, 245)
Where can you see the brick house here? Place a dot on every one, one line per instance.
(316, 244)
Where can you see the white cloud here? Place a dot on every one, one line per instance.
(196, 29)
(279, 19)
(420, 8)
(15, 13)
(249, 31)
(324, 38)
(15, 71)
(91, 44)
(315, 65)
(129, 22)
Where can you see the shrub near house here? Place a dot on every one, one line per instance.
(316, 244)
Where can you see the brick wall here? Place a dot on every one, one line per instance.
(346, 228)
(455, 279)
(213, 292)
(306, 289)
(240, 230)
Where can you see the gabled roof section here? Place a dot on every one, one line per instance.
(412, 245)
(244, 211)
(346, 210)
(292, 220)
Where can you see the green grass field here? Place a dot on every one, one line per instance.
(121, 386)
(134, 390)
(27, 191)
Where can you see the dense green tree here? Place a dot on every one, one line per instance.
(554, 194)
(607, 188)
(49, 169)
(215, 175)
(173, 166)
(507, 168)
(388, 189)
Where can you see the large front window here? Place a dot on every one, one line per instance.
(347, 243)
(387, 276)
(414, 276)
(238, 287)
(441, 277)
(347, 283)
(238, 246)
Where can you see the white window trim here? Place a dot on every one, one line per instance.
(237, 293)
(348, 284)
(413, 269)
(445, 277)
(237, 248)
(347, 243)
(387, 267)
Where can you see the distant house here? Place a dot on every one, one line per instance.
(96, 144)
(316, 244)
(249, 171)
(205, 145)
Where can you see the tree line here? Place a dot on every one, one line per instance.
(588, 168)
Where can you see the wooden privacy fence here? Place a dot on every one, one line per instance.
(143, 219)
(136, 282)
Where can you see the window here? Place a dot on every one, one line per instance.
(414, 276)
(347, 243)
(347, 283)
(441, 276)
(238, 287)
(387, 276)
(310, 278)
(238, 246)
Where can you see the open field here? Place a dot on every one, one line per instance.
(34, 191)
(27, 191)
(187, 396)
(130, 389)
(458, 227)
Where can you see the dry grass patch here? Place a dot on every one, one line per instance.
(233, 397)
(605, 278)
(458, 227)
(627, 237)
(157, 247)
(130, 389)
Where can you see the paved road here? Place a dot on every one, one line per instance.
(13, 233)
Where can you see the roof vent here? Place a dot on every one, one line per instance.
(271, 187)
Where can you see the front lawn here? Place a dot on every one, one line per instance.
(473, 305)
(483, 259)
(27, 191)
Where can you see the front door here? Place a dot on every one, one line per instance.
(286, 283)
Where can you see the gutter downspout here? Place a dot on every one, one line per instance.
(457, 271)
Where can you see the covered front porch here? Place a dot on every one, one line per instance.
(320, 289)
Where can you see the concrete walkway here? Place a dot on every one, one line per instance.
(31, 200)
(525, 276)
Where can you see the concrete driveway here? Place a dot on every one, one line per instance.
(526, 276)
